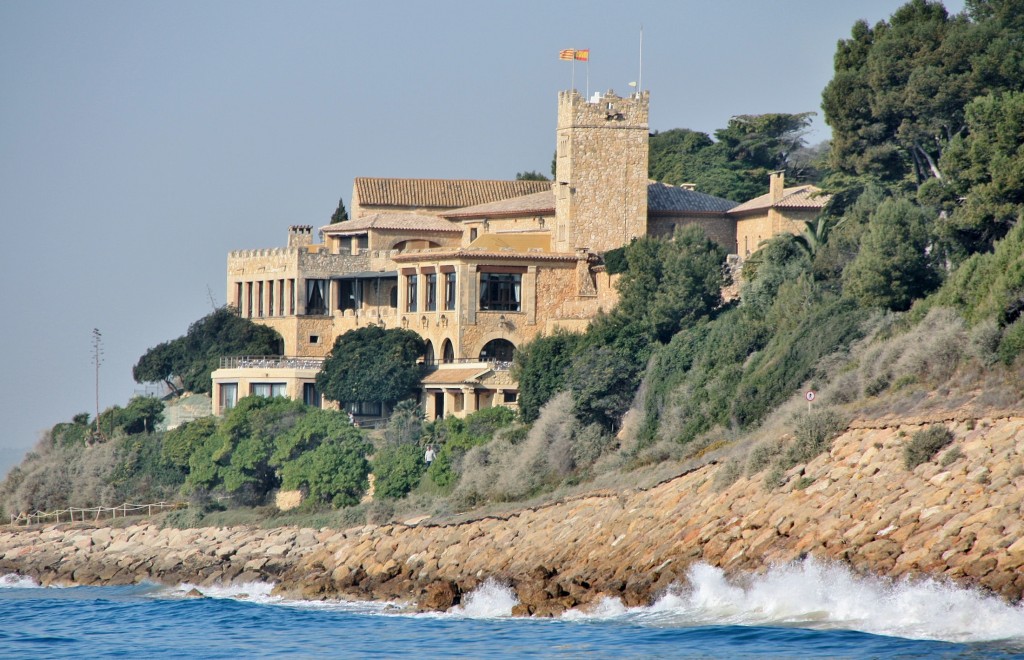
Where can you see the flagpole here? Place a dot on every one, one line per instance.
(572, 87)
(588, 77)
(640, 78)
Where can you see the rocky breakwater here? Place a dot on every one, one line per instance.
(857, 504)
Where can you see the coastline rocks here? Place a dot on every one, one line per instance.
(959, 519)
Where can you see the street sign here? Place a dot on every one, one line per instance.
(809, 396)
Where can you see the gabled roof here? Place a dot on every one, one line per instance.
(440, 193)
(541, 203)
(395, 221)
(798, 197)
(663, 198)
(471, 375)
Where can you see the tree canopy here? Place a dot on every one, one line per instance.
(372, 364)
(186, 363)
(340, 214)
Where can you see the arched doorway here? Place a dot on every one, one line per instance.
(500, 350)
(428, 354)
(447, 351)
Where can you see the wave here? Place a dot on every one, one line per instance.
(825, 596)
(15, 581)
(490, 600)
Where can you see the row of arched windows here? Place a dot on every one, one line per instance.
(500, 350)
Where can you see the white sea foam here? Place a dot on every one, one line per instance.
(815, 594)
(15, 581)
(488, 601)
(261, 593)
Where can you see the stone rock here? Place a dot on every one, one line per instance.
(440, 596)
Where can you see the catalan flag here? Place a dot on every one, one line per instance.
(567, 54)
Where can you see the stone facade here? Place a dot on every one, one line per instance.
(600, 171)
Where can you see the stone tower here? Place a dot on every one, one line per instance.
(600, 171)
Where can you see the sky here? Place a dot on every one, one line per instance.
(140, 142)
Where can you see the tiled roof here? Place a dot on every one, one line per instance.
(536, 204)
(663, 198)
(441, 193)
(399, 221)
(797, 197)
(453, 376)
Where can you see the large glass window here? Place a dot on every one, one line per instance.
(431, 303)
(447, 351)
(365, 408)
(351, 292)
(449, 291)
(500, 291)
(316, 297)
(498, 350)
(268, 389)
(410, 292)
(228, 395)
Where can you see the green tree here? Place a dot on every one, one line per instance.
(340, 214)
(893, 267)
(187, 362)
(181, 442)
(397, 469)
(335, 472)
(540, 368)
(984, 191)
(372, 364)
(531, 176)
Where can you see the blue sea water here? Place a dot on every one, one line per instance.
(806, 610)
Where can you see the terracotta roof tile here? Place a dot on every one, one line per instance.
(454, 376)
(536, 204)
(441, 193)
(663, 198)
(398, 221)
(797, 197)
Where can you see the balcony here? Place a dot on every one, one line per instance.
(270, 362)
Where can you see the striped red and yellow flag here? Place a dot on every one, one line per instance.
(582, 55)
(567, 54)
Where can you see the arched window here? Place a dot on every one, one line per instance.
(447, 351)
(428, 355)
(500, 350)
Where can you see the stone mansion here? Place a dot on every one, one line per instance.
(478, 268)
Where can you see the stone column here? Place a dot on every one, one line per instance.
(300, 296)
(247, 312)
(529, 295)
(450, 405)
(469, 399)
(470, 292)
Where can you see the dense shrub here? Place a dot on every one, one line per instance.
(335, 472)
(397, 469)
(925, 444)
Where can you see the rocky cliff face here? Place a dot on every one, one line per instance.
(857, 504)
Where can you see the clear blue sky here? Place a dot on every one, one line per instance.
(141, 141)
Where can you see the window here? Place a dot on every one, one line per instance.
(316, 297)
(310, 396)
(351, 293)
(365, 408)
(410, 293)
(228, 395)
(497, 350)
(447, 352)
(449, 291)
(428, 355)
(363, 242)
(510, 397)
(500, 291)
(472, 234)
(268, 389)
(431, 304)
(314, 339)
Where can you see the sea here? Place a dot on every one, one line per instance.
(807, 609)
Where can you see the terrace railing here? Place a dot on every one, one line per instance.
(270, 362)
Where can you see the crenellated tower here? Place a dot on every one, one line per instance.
(600, 171)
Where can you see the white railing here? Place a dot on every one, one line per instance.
(75, 514)
(270, 362)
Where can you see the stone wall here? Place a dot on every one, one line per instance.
(601, 171)
(719, 228)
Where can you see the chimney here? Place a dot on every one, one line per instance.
(776, 185)
(300, 235)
